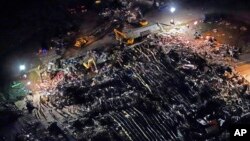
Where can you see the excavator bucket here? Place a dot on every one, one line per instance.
(89, 63)
(119, 34)
(130, 41)
(77, 44)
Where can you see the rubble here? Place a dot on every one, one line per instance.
(164, 88)
(8, 113)
(215, 30)
(147, 93)
(243, 28)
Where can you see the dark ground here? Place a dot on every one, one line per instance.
(29, 25)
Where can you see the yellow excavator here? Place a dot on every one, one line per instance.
(89, 64)
(81, 41)
(143, 22)
(120, 36)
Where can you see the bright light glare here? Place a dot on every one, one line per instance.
(28, 83)
(22, 67)
(97, 1)
(172, 21)
(196, 22)
(172, 9)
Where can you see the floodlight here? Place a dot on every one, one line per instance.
(22, 67)
(172, 9)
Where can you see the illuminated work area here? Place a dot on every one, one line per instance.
(123, 70)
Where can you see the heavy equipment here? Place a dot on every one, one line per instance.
(90, 63)
(81, 41)
(120, 36)
(143, 22)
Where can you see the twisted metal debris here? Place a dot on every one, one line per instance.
(149, 92)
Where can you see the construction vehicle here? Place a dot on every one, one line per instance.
(120, 36)
(143, 22)
(81, 41)
(89, 64)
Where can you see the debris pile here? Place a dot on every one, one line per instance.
(9, 113)
(160, 89)
(127, 12)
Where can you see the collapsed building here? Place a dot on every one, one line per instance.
(160, 89)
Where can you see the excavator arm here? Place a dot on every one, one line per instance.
(90, 63)
(120, 35)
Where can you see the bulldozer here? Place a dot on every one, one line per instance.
(120, 36)
(81, 41)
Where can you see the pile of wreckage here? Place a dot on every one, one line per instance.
(152, 91)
